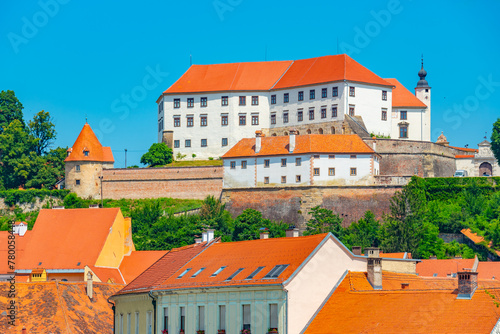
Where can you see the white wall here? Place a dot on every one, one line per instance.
(342, 164)
(416, 118)
(424, 95)
(238, 177)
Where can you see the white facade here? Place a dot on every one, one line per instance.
(415, 120)
(481, 163)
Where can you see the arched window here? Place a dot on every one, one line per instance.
(273, 135)
(309, 131)
(333, 130)
(320, 131)
(286, 133)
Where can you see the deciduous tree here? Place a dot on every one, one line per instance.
(495, 140)
(157, 155)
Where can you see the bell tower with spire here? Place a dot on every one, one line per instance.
(423, 93)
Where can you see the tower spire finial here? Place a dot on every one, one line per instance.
(422, 60)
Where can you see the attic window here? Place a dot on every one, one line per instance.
(86, 153)
(276, 271)
(198, 272)
(217, 272)
(78, 263)
(234, 274)
(39, 263)
(255, 272)
(184, 273)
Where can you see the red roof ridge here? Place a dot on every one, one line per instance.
(402, 97)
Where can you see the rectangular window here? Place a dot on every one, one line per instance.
(331, 156)
(353, 156)
(297, 178)
(255, 272)
(301, 96)
(246, 316)
(233, 275)
(300, 116)
(331, 171)
(311, 114)
(285, 117)
(203, 143)
(149, 322)
(243, 164)
(201, 318)
(273, 99)
(273, 316)
(316, 172)
(384, 95)
(165, 318)
(203, 120)
(335, 91)
(203, 102)
(255, 100)
(218, 271)
(77, 168)
(177, 143)
(323, 112)
(190, 121)
(255, 119)
(286, 98)
(182, 313)
(267, 163)
(190, 102)
(224, 141)
(136, 322)
(352, 91)
(233, 164)
(266, 180)
(316, 156)
(121, 324)
(177, 122)
(224, 100)
(77, 182)
(223, 120)
(187, 143)
(403, 131)
(273, 118)
(283, 179)
(184, 273)
(384, 114)
(177, 103)
(243, 119)
(243, 100)
(404, 115)
(312, 94)
(298, 161)
(324, 93)
(283, 162)
(222, 317)
(351, 110)
(276, 271)
(353, 171)
(334, 111)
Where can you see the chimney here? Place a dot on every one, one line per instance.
(258, 140)
(372, 251)
(264, 233)
(291, 146)
(93, 206)
(24, 331)
(292, 232)
(197, 241)
(404, 285)
(58, 207)
(207, 235)
(90, 285)
(467, 284)
(433, 257)
(458, 256)
(374, 267)
(356, 250)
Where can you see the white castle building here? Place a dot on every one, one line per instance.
(211, 107)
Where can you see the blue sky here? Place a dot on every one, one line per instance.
(111, 60)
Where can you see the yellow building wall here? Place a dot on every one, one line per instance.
(129, 243)
(42, 278)
(113, 250)
(139, 304)
(396, 266)
(70, 277)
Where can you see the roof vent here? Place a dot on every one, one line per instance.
(58, 207)
(405, 286)
(467, 284)
(356, 250)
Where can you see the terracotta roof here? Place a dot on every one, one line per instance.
(108, 275)
(262, 76)
(246, 255)
(426, 305)
(466, 149)
(478, 239)
(87, 141)
(464, 156)
(51, 307)
(21, 242)
(162, 269)
(402, 97)
(279, 145)
(138, 261)
(401, 255)
(443, 268)
(85, 232)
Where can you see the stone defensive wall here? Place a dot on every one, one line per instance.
(175, 182)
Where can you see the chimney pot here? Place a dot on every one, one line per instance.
(374, 270)
(433, 257)
(356, 250)
(208, 235)
(264, 235)
(90, 285)
(372, 251)
(292, 232)
(24, 331)
(258, 141)
(291, 145)
(467, 284)
(197, 241)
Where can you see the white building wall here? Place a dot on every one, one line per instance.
(342, 164)
(275, 171)
(424, 95)
(239, 177)
(415, 121)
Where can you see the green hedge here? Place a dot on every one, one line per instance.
(443, 188)
(13, 197)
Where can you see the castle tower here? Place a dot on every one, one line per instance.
(84, 164)
(423, 93)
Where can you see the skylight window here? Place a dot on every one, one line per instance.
(217, 272)
(184, 272)
(198, 272)
(234, 274)
(255, 272)
(276, 271)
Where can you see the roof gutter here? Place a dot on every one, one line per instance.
(114, 313)
(153, 301)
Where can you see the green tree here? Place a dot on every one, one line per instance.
(43, 131)
(364, 233)
(158, 154)
(495, 140)
(324, 221)
(10, 109)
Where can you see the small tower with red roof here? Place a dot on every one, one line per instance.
(84, 164)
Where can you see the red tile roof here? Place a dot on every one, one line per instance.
(426, 305)
(464, 156)
(402, 97)
(262, 76)
(20, 243)
(466, 149)
(279, 145)
(138, 261)
(478, 239)
(248, 255)
(51, 307)
(87, 141)
(443, 268)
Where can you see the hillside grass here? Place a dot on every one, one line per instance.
(195, 163)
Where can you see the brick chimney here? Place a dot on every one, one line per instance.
(90, 285)
(258, 140)
(291, 146)
(374, 267)
(292, 232)
(467, 284)
(356, 250)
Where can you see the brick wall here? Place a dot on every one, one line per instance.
(177, 182)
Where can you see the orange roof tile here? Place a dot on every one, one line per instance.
(464, 156)
(466, 149)
(402, 97)
(85, 232)
(478, 239)
(229, 77)
(20, 243)
(108, 275)
(55, 307)
(248, 255)
(279, 145)
(400, 255)
(87, 141)
(442, 268)
(138, 261)
(426, 305)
